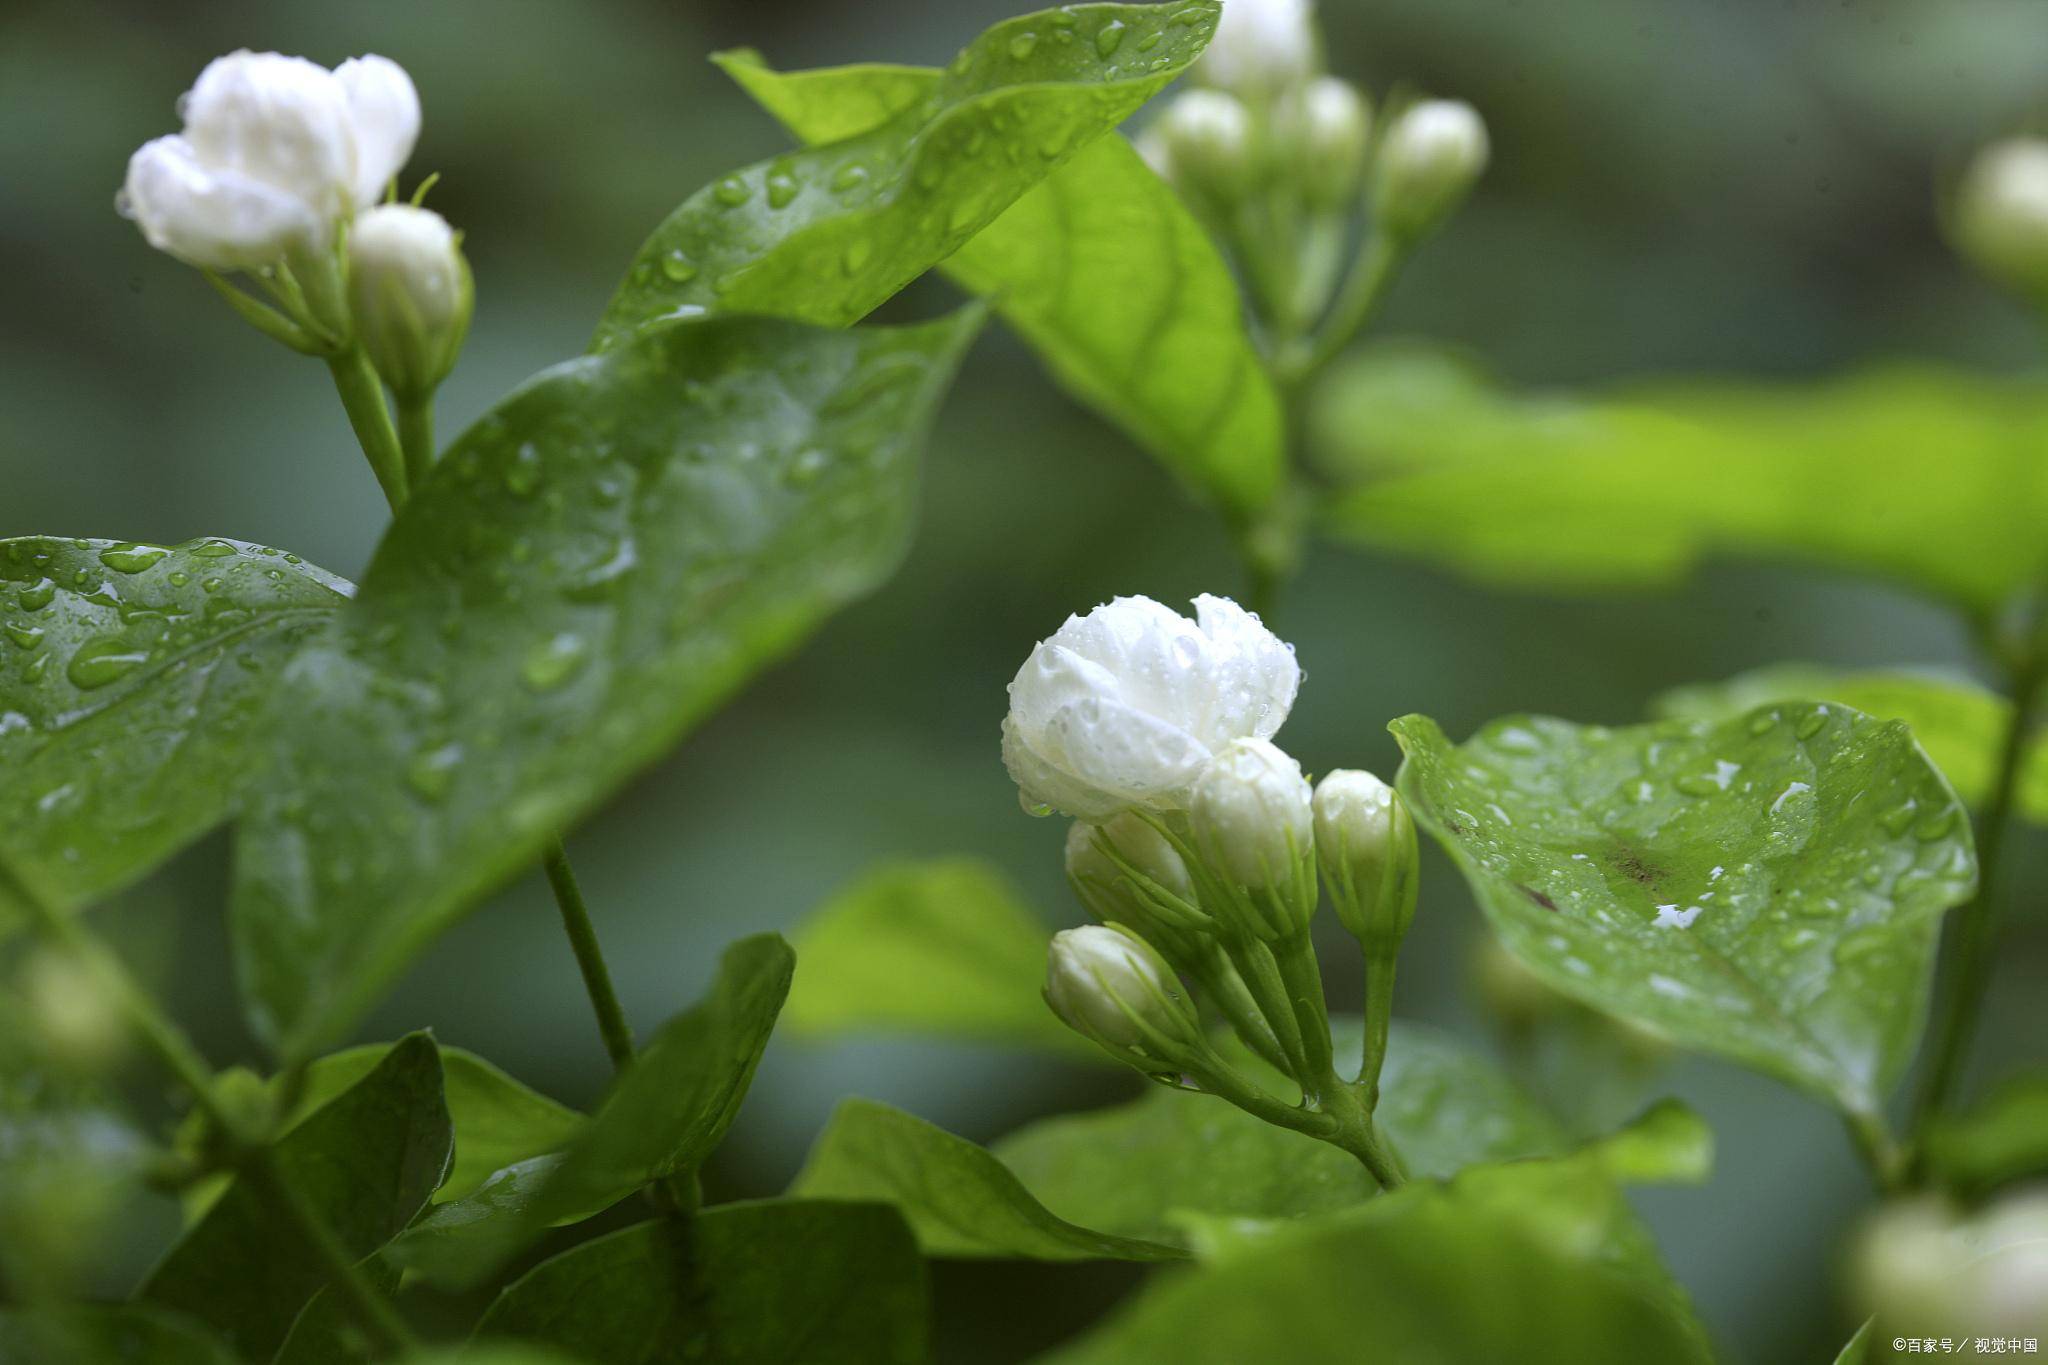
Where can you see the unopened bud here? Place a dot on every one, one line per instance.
(1920, 1262)
(1260, 46)
(1207, 137)
(75, 1014)
(1111, 987)
(1365, 844)
(1125, 870)
(1428, 159)
(1335, 129)
(410, 291)
(2001, 220)
(1251, 815)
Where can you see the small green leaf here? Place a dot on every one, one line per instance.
(825, 234)
(760, 1283)
(1960, 724)
(327, 1331)
(128, 1334)
(662, 1118)
(133, 679)
(1105, 273)
(2002, 1139)
(1132, 1169)
(1857, 1352)
(945, 948)
(1551, 491)
(959, 1199)
(1518, 1262)
(588, 571)
(366, 1163)
(1769, 887)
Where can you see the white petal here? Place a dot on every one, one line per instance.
(1055, 676)
(1105, 745)
(1253, 671)
(1041, 786)
(283, 121)
(384, 109)
(217, 220)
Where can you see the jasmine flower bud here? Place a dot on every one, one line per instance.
(77, 1017)
(276, 152)
(1335, 131)
(1110, 986)
(1251, 816)
(411, 295)
(1428, 159)
(2001, 214)
(1124, 708)
(1260, 46)
(1366, 847)
(1126, 871)
(1207, 139)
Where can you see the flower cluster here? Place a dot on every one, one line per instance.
(1197, 842)
(278, 173)
(1274, 152)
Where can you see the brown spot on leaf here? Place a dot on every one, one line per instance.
(1537, 896)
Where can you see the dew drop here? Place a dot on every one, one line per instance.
(36, 596)
(132, 558)
(554, 661)
(782, 187)
(849, 177)
(522, 475)
(432, 771)
(1935, 826)
(1763, 723)
(856, 255)
(1811, 724)
(1022, 45)
(100, 662)
(677, 267)
(732, 192)
(214, 549)
(1109, 38)
(1899, 818)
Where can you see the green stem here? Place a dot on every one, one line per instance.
(1879, 1150)
(1357, 1134)
(416, 437)
(1364, 289)
(362, 395)
(1304, 981)
(597, 977)
(1379, 1015)
(1260, 973)
(255, 1160)
(1973, 930)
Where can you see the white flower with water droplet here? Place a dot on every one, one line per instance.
(1109, 985)
(276, 151)
(1251, 813)
(410, 291)
(1124, 708)
(1260, 46)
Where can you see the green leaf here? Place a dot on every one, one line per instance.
(1960, 724)
(826, 234)
(128, 1334)
(327, 1331)
(661, 1119)
(132, 682)
(365, 1164)
(743, 1284)
(1517, 1262)
(2001, 1139)
(1927, 477)
(1769, 888)
(959, 1199)
(1106, 273)
(586, 574)
(1860, 1346)
(945, 948)
(1134, 1168)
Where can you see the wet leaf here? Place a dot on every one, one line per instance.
(1926, 477)
(327, 1331)
(1769, 887)
(1105, 273)
(826, 234)
(588, 572)
(1960, 724)
(958, 1198)
(759, 1283)
(133, 683)
(366, 1163)
(943, 949)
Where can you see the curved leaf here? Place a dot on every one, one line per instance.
(826, 234)
(1960, 724)
(127, 1334)
(960, 1200)
(1769, 887)
(132, 682)
(764, 1283)
(944, 948)
(1106, 274)
(2001, 1139)
(1927, 477)
(365, 1164)
(587, 573)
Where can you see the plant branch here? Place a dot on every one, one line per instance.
(597, 977)
(254, 1159)
(362, 396)
(416, 437)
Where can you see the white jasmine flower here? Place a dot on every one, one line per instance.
(1207, 137)
(1260, 46)
(276, 151)
(1098, 977)
(1335, 131)
(1429, 157)
(1251, 815)
(2002, 213)
(1365, 844)
(1126, 706)
(410, 290)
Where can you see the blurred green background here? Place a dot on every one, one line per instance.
(1737, 186)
